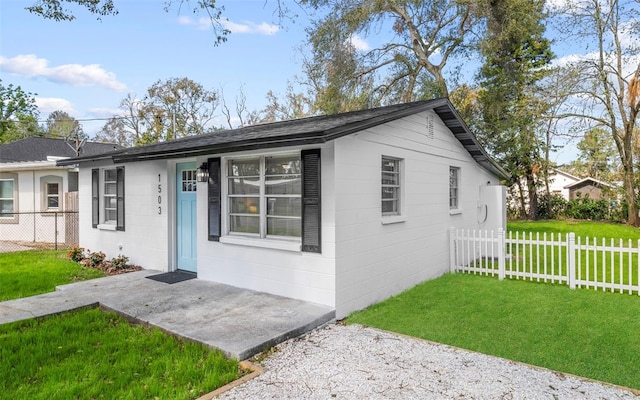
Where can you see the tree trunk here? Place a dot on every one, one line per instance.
(533, 196)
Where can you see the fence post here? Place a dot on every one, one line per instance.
(55, 230)
(452, 249)
(571, 260)
(501, 254)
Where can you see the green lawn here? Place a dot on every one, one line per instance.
(91, 354)
(582, 332)
(28, 273)
(580, 228)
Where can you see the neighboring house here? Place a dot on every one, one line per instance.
(343, 210)
(33, 188)
(559, 182)
(591, 188)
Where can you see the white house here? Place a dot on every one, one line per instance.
(343, 210)
(33, 188)
(560, 181)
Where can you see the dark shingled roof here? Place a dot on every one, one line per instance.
(297, 132)
(39, 148)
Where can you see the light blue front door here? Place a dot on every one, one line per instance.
(186, 216)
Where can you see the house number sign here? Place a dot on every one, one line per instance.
(159, 195)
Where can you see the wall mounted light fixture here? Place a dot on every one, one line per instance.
(202, 173)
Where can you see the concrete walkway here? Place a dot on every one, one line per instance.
(239, 322)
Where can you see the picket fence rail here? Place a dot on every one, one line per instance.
(565, 259)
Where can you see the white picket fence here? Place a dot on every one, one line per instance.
(565, 259)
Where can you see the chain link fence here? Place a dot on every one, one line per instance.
(34, 229)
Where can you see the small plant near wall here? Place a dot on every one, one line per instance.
(120, 262)
(96, 258)
(76, 254)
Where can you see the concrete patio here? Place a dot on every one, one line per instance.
(237, 321)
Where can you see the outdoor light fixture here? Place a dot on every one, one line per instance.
(202, 173)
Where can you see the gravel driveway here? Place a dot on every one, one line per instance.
(356, 362)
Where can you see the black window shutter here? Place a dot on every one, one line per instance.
(214, 196)
(120, 198)
(95, 197)
(311, 233)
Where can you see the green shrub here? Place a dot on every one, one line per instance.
(120, 262)
(76, 254)
(96, 258)
(586, 208)
(551, 206)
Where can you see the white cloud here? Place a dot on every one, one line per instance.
(246, 27)
(359, 43)
(29, 65)
(47, 105)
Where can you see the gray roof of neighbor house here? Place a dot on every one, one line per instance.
(304, 131)
(39, 148)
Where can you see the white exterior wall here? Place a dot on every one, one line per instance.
(39, 227)
(375, 260)
(558, 181)
(146, 235)
(300, 275)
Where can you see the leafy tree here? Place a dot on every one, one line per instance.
(18, 113)
(59, 10)
(515, 54)
(61, 125)
(597, 155)
(115, 131)
(606, 92)
(427, 36)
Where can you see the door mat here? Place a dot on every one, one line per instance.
(173, 277)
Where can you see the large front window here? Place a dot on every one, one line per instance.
(264, 196)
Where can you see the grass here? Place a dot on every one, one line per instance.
(580, 228)
(28, 273)
(575, 331)
(91, 354)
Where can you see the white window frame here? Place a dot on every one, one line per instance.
(13, 217)
(399, 214)
(48, 195)
(106, 196)
(262, 236)
(454, 190)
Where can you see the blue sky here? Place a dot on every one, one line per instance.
(86, 67)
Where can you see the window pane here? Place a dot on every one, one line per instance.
(6, 189)
(52, 202)
(389, 206)
(284, 206)
(110, 202)
(284, 227)
(244, 186)
(389, 193)
(245, 205)
(282, 165)
(109, 215)
(244, 167)
(389, 165)
(6, 206)
(389, 178)
(245, 224)
(52, 188)
(284, 185)
(110, 175)
(110, 188)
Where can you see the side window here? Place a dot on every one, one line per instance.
(52, 196)
(391, 186)
(50, 193)
(454, 188)
(108, 204)
(8, 198)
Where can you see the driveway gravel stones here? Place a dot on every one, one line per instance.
(356, 362)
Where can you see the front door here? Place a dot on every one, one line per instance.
(186, 216)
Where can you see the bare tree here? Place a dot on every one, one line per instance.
(606, 93)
